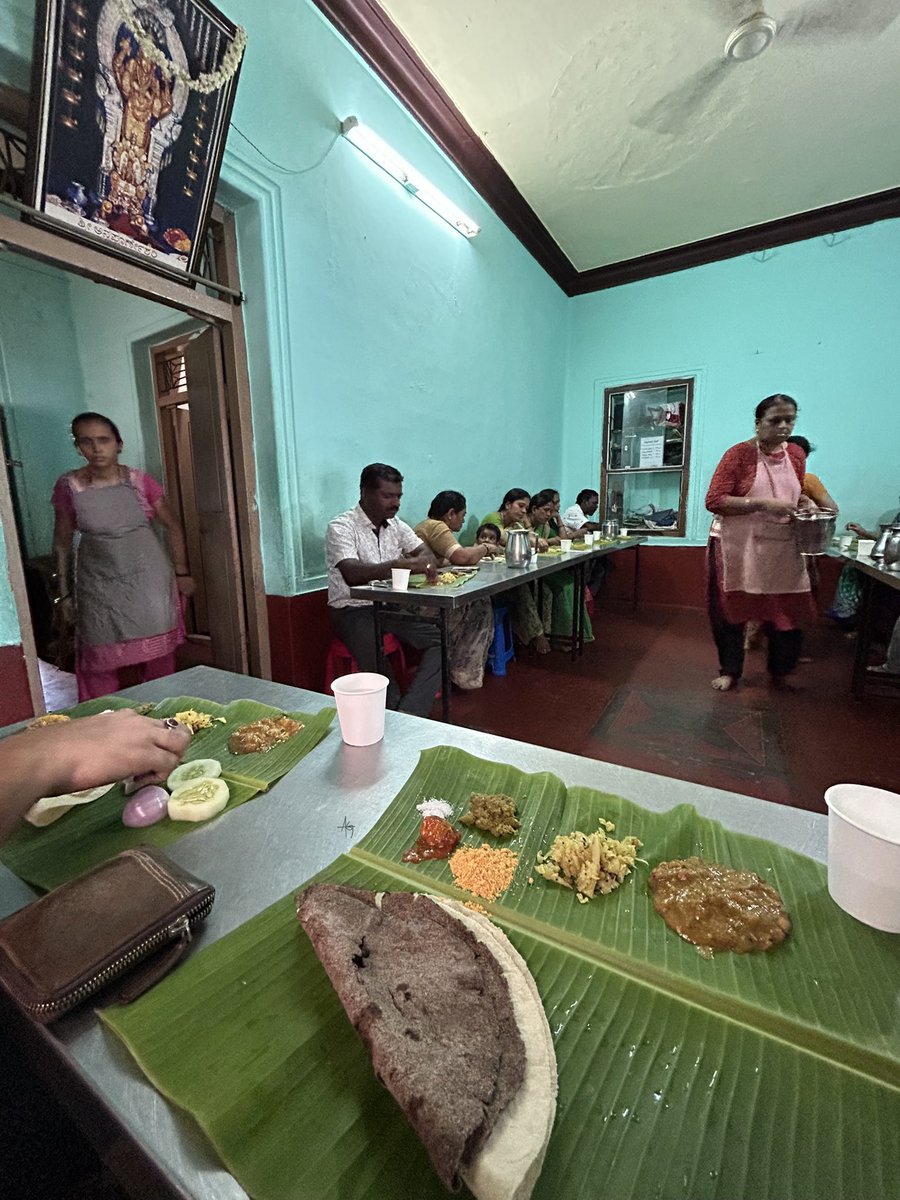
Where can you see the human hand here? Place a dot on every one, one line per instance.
(185, 585)
(542, 545)
(778, 508)
(90, 751)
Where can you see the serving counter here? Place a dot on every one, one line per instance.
(265, 849)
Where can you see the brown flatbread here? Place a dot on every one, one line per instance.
(422, 981)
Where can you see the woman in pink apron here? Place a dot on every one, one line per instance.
(756, 572)
(125, 596)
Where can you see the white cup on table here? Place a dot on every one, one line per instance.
(565, 544)
(864, 547)
(846, 541)
(400, 579)
(360, 700)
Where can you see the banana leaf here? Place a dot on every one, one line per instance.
(91, 833)
(772, 1076)
(420, 581)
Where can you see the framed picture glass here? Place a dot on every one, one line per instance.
(132, 103)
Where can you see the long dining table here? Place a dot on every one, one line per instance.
(262, 851)
(434, 603)
(872, 573)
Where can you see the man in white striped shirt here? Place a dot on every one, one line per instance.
(363, 544)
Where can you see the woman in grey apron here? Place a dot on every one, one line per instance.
(125, 596)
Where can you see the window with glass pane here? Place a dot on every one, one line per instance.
(646, 455)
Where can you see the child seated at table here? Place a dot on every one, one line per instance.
(489, 535)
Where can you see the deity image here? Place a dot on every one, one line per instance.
(133, 124)
(142, 109)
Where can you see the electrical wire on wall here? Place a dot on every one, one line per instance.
(278, 166)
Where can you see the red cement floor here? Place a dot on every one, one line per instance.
(641, 696)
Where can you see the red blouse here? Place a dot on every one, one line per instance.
(737, 469)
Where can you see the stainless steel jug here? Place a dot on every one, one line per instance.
(884, 537)
(518, 551)
(610, 529)
(892, 549)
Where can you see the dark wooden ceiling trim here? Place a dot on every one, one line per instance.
(848, 214)
(375, 38)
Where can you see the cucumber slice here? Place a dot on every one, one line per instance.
(198, 800)
(197, 768)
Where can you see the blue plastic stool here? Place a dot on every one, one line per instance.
(502, 649)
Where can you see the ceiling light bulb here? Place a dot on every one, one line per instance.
(750, 38)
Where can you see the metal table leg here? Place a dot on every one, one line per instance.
(445, 665)
(577, 605)
(863, 637)
(377, 614)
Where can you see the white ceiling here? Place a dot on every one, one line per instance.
(562, 92)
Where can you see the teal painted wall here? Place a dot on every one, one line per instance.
(817, 320)
(10, 634)
(375, 331)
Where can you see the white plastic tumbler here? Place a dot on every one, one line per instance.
(360, 701)
(565, 544)
(400, 579)
(864, 853)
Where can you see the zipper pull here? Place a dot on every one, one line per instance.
(157, 966)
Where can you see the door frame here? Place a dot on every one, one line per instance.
(224, 310)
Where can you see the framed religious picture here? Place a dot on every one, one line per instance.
(132, 100)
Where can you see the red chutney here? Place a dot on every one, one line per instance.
(437, 839)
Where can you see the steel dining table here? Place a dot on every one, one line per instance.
(433, 604)
(872, 573)
(262, 851)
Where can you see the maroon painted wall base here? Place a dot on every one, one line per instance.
(15, 698)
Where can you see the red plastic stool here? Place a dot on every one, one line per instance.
(341, 662)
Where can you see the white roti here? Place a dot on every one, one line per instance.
(510, 1161)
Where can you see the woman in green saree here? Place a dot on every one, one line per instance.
(526, 621)
(559, 589)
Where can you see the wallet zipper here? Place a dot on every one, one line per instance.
(180, 929)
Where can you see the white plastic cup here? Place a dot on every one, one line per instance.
(864, 853)
(360, 700)
(846, 541)
(565, 544)
(864, 547)
(400, 579)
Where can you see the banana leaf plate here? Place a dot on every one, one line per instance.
(744, 1077)
(91, 833)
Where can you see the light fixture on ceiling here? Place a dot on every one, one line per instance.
(375, 148)
(751, 37)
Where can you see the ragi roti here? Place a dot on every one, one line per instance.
(422, 979)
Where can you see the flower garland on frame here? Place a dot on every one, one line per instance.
(208, 82)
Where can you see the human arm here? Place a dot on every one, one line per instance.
(86, 752)
(183, 579)
(861, 532)
(815, 490)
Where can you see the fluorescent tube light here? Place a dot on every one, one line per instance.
(375, 148)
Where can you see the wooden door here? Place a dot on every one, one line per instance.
(214, 499)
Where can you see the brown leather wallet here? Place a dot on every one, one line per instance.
(136, 910)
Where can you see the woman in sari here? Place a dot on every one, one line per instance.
(526, 620)
(123, 594)
(559, 588)
(471, 628)
(755, 571)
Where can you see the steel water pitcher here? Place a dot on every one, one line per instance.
(518, 550)
(892, 549)
(884, 537)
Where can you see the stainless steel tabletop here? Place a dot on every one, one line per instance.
(265, 849)
(492, 576)
(875, 570)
